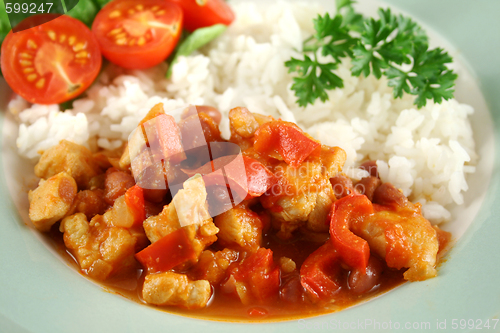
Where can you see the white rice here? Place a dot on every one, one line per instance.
(427, 152)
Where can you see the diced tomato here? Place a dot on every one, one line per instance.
(353, 250)
(319, 272)
(259, 178)
(166, 253)
(138, 34)
(257, 181)
(287, 139)
(134, 198)
(51, 63)
(170, 138)
(260, 274)
(205, 13)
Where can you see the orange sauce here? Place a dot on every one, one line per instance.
(223, 307)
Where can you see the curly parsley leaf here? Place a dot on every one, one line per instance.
(392, 45)
(313, 80)
(353, 20)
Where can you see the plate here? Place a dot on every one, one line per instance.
(40, 292)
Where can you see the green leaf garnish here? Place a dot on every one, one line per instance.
(392, 45)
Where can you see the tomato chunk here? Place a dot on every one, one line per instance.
(138, 34)
(287, 139)
(319, 272)
(169, 137)
(134, 198)
(260, 274)
(257, 181)
(51, 63)
(353, 250)
(166, 253)
(205, 13)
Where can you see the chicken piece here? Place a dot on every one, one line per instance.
(100, 250)
(287, 265)
(243, 125)
(201, 236)
(108, 158)
(90, 203)
(243, 122)
(158, 226)
(332, 159)
(297, 200)
(404, 239)
(176, 289)
(213, 266)
(51, 200)
(239, 228)
(70, 157)
(188, 210)
(399, 233)
(317, 220)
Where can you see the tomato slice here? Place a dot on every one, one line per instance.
(138, 35)
(205, 13)
(51, 63)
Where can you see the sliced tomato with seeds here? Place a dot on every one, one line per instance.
(138, 35)
(51, 63)
(205, 13)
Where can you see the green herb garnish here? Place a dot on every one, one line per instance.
(393, 45)
(194, 41)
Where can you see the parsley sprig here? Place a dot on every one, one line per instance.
(392, 45)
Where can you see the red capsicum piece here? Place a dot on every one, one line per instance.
(259, 178)
(260, 273)
(166, 253)
(353, 250)
(287, 139)
(169, 137)
(257, 181)
(134, 198)
(318, 273)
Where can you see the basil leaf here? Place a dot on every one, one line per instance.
(197, 39)
(85, 11)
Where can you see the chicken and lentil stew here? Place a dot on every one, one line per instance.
(263, 225)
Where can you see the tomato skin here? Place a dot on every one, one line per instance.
(27, 60)
(205, 13)
(130, 40)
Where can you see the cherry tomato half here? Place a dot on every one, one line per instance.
(138, 34)
(51, 63)
(204, 13)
